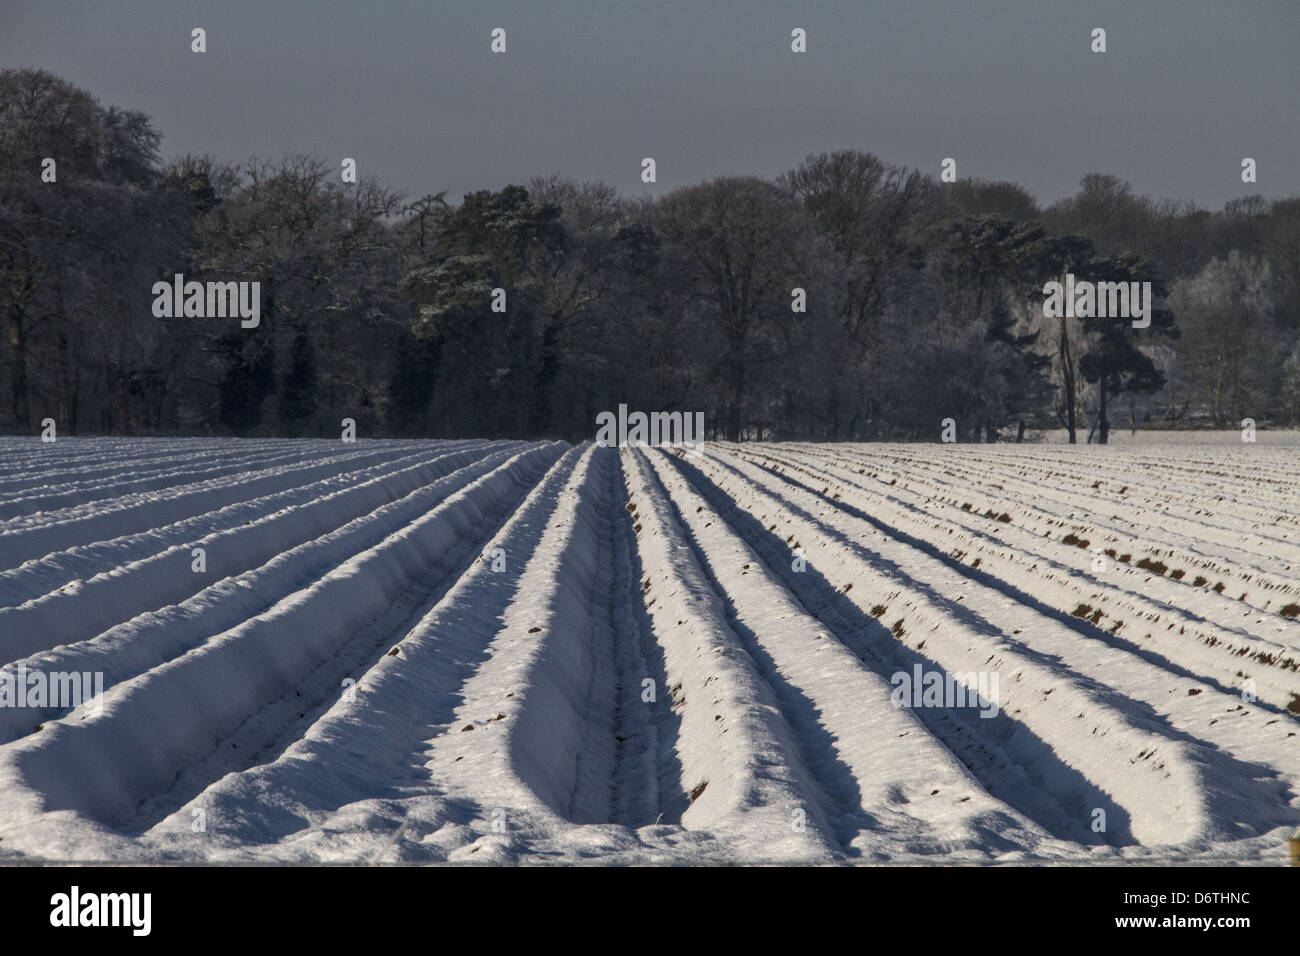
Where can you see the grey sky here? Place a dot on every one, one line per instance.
(1010, 89)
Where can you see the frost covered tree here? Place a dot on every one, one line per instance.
(740, 246)
(876, 217)
(326, 257)
(1114, 359)
(75, 216)
(1229, 343)
(989, 266)
(1291, 385)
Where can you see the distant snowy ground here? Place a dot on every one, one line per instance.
(530, 652)
(1272, 437)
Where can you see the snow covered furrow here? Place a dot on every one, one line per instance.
(375, 739)
(877, 768)
(162, 736)
(510, 651)
(1119, 481)
(558, 738)
(532, 746)
(84, 561)
(1262, 478)
(740, 758)
(1213, 641)
(1120, 495)
(1182, 585)
(151, 639)
(29, 462)
(187, 470)
(1125, 513)
(1192, 562)
(1077, 757)
(97, 472)
(81, 609)
(1261, 475)
(36, 535)
(534, 742)
(1247, 767)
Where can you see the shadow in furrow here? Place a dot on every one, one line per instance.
(1241, 783)
(1035, 782)
(836, 786)
(265, 734)
(379, 748)
(648, 774)
(1079, 625)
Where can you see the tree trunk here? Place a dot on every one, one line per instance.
(1067, 378)
(18, 384)
(65, 384)
(1102, 424)
(123, 402)
(73, 404)
(734, 414)
(544, 381)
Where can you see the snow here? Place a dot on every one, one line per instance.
(531, 652)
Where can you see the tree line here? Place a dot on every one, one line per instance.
(847, 299)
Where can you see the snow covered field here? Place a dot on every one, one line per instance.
(506, 651)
